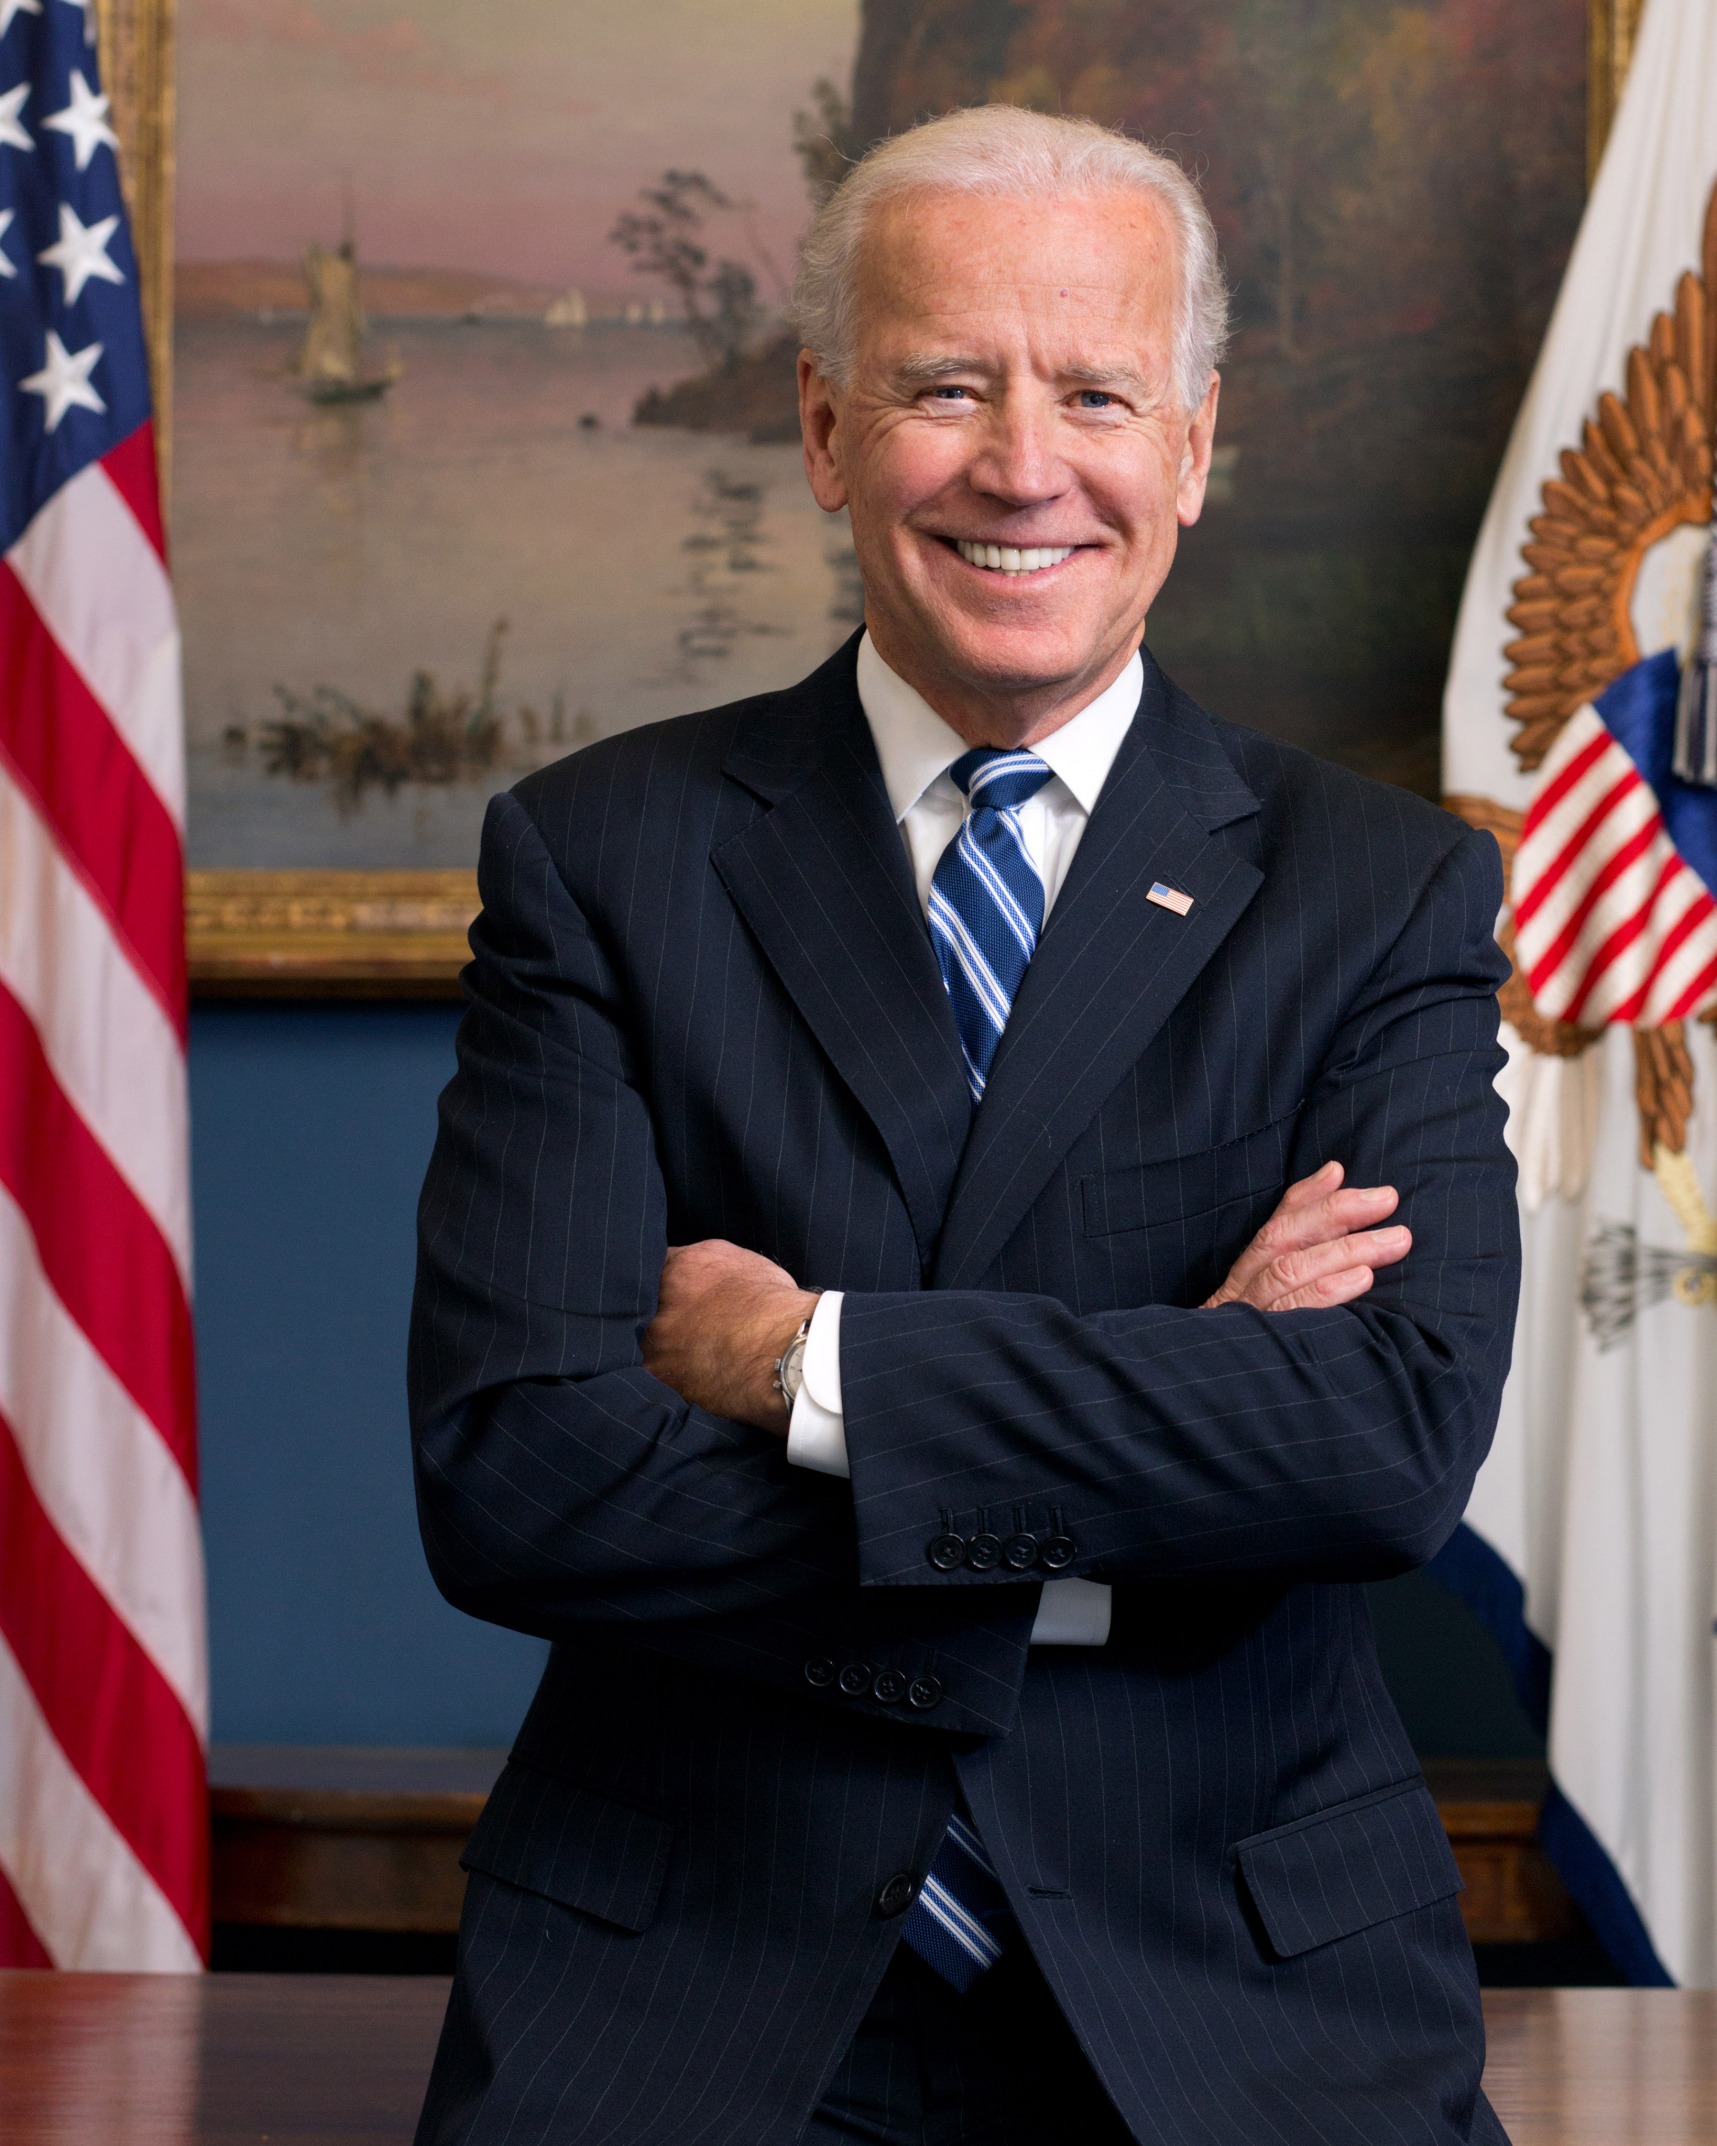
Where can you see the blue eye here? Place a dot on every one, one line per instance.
(1094, 398)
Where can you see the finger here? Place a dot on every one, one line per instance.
(1330, 1291)
(1306, 1189)
(1286, 1276)
(1286, 1280)
(1332, 1216)
(1343, 1204)
(1282, 1283)
(1295, 1271)
(1359, 1207)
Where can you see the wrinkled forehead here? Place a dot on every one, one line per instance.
(1094, 274)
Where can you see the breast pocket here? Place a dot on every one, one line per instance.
(1174, 1227)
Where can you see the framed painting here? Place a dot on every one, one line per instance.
(471, 329)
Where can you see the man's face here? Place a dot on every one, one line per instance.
(1012, 388)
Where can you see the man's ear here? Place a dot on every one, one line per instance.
(818, 420)
(1195, 457)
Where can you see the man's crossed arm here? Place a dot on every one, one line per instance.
(726, 1315)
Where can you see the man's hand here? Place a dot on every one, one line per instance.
(1319, 1248)
(723, 1320)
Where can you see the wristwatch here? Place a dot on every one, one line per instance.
(790, 1365)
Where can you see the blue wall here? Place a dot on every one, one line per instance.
(311, 1129)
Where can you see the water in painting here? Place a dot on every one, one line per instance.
(472, 551)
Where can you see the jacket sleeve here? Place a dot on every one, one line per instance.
(557, 1481)
(1334, 1444)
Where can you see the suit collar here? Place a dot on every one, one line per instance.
(822, 880)
(1110, 969)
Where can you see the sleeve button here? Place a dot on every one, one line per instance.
(924, 1693)
(897, 1895)
(889, 1685)
(1058, 1552)
(1019, 1552)
(947, 1552)
(855, 1678)
(984, 1553)
(820, 1672)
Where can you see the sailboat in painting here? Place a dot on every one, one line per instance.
(330, 365)
(568, 311)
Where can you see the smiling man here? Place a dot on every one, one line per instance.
(909, 1306)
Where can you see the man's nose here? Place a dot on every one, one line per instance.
(1018, 461)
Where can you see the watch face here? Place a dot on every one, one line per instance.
(792, 1371)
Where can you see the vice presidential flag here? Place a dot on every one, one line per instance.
(103, 1825)
(1581, 727)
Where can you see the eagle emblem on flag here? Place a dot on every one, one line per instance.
(1614, 915)
(1612, 692)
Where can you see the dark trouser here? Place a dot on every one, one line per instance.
(996, 2067)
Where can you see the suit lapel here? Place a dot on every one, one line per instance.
(1110, 969)
(823, 882)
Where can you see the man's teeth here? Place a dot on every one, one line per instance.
(1006, 559)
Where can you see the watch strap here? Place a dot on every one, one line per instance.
(790, 1364)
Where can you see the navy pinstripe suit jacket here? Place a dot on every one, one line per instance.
(704, 1004)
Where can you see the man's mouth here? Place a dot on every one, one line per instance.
(1012, 559)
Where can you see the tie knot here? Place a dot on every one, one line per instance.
(990, 776)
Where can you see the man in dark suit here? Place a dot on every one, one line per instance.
(963, 1722)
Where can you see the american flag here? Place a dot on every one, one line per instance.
(103, 1681)
(1612, 887)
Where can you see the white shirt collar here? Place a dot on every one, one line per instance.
(914, 745)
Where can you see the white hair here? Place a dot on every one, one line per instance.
(1000, 149)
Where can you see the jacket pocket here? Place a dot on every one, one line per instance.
(572, 1846)
(1182, 1188)
(1342, 1870)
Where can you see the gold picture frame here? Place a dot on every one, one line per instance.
(1611, 27)
(391, 933)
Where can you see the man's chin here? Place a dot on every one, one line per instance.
(1021, 660)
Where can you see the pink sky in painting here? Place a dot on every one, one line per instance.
(489, 136)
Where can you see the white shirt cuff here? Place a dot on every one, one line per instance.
(1071, 1613)
(817, 1429)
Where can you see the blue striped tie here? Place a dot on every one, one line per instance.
(986, 902)
(959, 1920)
(986, 910)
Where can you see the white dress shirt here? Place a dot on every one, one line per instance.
(916, 749)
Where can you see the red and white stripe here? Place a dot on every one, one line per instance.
(103, 1676)
(1610, 922)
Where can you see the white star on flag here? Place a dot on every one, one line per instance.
(9, 8)
(6, 267)
(63, 382)
(85, 120)
(12, 135)
(88, 18)
(81, 252)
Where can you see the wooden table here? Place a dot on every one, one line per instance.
(214, 2060)
(1604, 2067)
(335, 2060)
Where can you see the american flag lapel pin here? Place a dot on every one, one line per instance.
(1170, 898)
